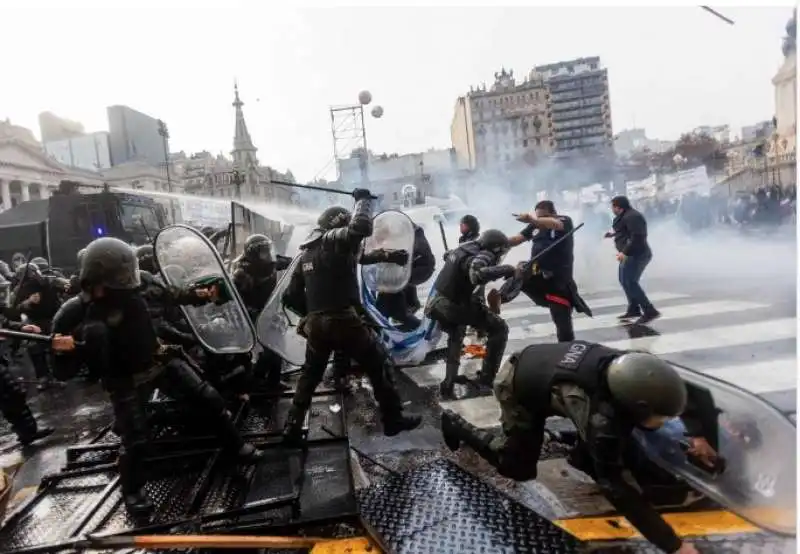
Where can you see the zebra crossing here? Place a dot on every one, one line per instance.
(748, 343)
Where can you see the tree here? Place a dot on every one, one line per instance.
(694, 149)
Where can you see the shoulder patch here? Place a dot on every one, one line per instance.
(574, 355)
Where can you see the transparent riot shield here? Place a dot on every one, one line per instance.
(758, 444)
(187, 259)
(277, 325)
(392, 230)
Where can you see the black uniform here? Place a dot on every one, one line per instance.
(402, 305)
(255, 275)
(327, 275)
(121, 346)
(40, 313)
(454, 305)
(550, 282)
(567, 380)
(13, 405)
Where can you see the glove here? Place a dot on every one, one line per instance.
(398, 257)
(361, 194)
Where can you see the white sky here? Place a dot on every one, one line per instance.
(670, 69)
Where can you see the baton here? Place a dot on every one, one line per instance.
(444, 237)
(556, 243)
(36, 337)
(315, 187)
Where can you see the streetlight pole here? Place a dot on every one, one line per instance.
(164, 132)
(237, 180)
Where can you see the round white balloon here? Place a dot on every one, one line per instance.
(364, 97)
(377, 112)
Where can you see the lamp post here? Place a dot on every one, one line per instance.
(237, 180)
(364, 99)
(164, 133)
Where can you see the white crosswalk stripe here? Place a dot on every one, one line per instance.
(737, 341)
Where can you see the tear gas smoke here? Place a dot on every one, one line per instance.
(715, 259)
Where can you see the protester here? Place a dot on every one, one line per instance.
(633, 254)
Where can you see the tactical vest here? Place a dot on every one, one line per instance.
(541, 366)
(330, 278)
(264, 281)
(453, 280)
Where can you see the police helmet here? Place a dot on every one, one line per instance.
(646, 385)
(27, 271)
(110, 263)
(258, 247)
(41, 263)
(81, 254)
(471, 222)
(333, 218)
(494, 241)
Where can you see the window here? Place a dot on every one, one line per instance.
(593, 66)
(525, 143)
(136, 215)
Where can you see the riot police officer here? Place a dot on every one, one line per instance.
(255, 274)
(454, 305)
(39, 297)
(606, 393)
(549, 282)
(13, 404)
(121, 346)
(470, 229)
(326, 275)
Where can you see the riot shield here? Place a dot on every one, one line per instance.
(277, 326)
(392, 230)
(187, 259)
(756, 441)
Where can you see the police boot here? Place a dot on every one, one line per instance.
(495, 347)
(451, 432)
(26, 428)
(392, 416)
(480, 440)
(454, 348)
(136, 501)
(246, 453)
(294, 432)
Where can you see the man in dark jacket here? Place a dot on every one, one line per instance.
(633, 254)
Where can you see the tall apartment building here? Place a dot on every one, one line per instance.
(53, 128)
(561, 108)
(133, 136)
(504, 124)
(579, 105)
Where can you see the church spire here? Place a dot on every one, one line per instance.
(244, 152)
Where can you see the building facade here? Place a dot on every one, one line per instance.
(90, 151)
(559, 109)
(785, 83)
(430, 173)
(759, 130)
(507, 123)
(579, 105)
(208, 175)
(54, 128)
(133, 136)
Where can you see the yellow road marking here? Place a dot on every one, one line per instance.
(360, 545)
(685, 524)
